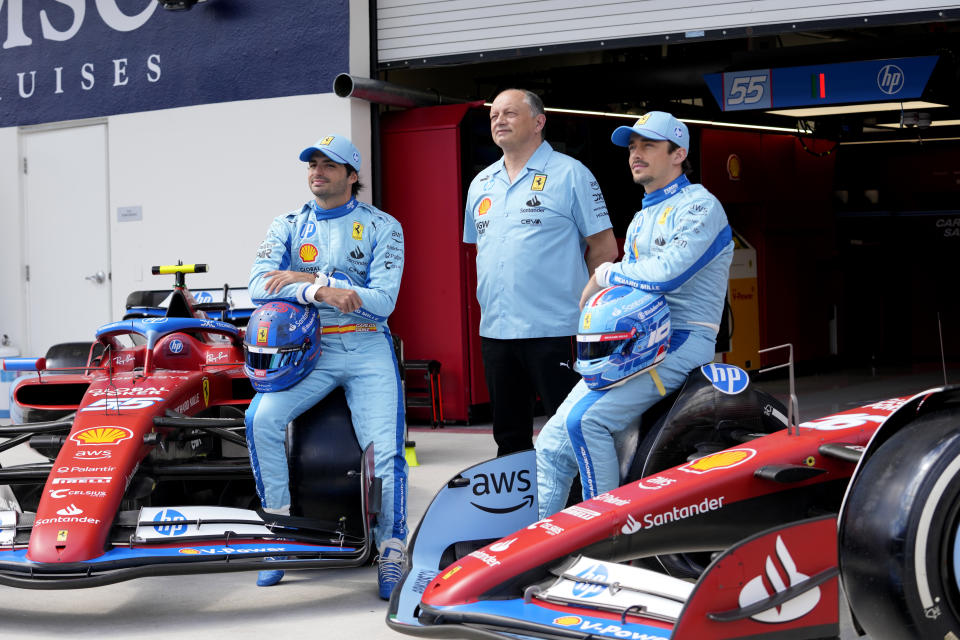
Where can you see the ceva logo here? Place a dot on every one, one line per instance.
(755, 590)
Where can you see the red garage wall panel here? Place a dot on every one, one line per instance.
(437, 315)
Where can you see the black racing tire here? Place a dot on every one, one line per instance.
(70, 354)
(898, 533)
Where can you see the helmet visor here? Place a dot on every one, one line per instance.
(267, 358)
(601, 345)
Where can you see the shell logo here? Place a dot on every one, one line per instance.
(190, 552)
(102, 436)
(308, 252)
(733, 167)
(567, 621)
(722, 460)
(484, 206)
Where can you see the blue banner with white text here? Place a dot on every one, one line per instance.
(71, 59)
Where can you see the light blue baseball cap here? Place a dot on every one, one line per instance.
(655, 125)
(337, 148)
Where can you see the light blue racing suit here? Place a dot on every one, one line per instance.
(363, 247)
(679, 245)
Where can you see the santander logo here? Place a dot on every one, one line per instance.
(72, 510)
(756, 590)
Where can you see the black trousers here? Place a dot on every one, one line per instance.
(517, 371)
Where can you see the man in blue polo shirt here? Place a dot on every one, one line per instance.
(532, 215)
(678, 245)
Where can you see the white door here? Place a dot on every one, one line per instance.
(67, 234)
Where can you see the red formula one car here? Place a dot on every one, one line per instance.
(770, 516)
(146, 470)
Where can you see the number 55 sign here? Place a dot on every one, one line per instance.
(747, 90)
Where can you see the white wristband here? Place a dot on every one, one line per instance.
(601, 274)
(307, 293)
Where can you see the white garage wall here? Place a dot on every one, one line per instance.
(411, 29)
(210, 179)
(11, 288)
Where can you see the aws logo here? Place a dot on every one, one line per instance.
(497, 484)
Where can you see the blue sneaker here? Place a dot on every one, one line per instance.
(390, 566)
(271, 577)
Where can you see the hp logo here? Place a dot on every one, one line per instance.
(173, 516)
(890, 79)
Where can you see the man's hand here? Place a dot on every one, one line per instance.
(591, 288)
(276, 280)
(346, 300)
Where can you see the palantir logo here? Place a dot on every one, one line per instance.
(755, 590)
(170, 515)
(890, 79)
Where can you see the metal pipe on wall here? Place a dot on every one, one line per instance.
(380, 92)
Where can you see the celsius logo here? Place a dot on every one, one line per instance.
(485, 484)
(890, 79)
(170, 515)
(592, 575)
(756, 590)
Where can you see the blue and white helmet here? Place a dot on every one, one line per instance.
(281, 345)
(623, 332)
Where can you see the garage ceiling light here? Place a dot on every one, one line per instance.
(934, 123)
(712, 123)
(810, 112)
(920, 140)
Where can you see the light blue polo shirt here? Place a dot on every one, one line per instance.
(530, 238)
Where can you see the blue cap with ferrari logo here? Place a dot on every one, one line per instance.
(655, 125)
(337, 148)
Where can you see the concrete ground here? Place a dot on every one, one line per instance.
(333, 603)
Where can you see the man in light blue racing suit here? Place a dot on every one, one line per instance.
(679, 245)
(345, 258)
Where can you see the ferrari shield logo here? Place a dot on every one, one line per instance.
(357, 231)
(62, 535)
(206, 392)
(263, 331)
(642, 120)
(325, 141)
(539, 181)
